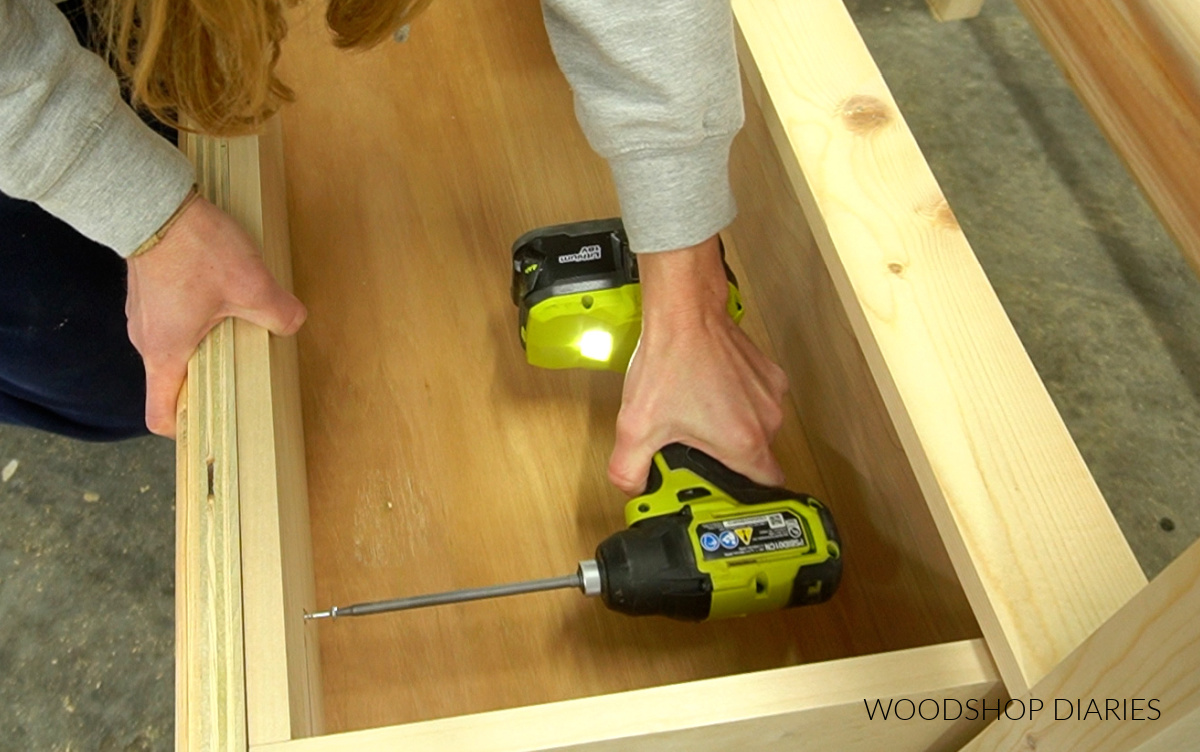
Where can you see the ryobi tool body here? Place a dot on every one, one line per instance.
(703, 542)
(576, 286)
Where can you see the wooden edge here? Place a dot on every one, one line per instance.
(245, 669)
(1033, 543)
(954, 10)
(209, 663)
(1150, 650)
(184, 662)
(1135, 65)
(283, 684)
(865, 473)
(767, 710)
(1176, 24)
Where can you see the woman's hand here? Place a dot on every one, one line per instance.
(205, 269)
(695, 378)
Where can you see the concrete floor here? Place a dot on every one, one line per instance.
(1099, 295)
(87, 591)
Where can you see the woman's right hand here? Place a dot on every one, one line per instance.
(205, 269)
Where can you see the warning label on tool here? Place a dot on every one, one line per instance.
(746, 536)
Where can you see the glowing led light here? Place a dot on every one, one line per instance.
(596, 344)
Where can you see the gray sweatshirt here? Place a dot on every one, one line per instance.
(656, 91)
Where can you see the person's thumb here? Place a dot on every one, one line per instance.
(629, 465)
(271, 307)
(164, 377)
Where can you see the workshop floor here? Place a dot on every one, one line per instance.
(1099, 295)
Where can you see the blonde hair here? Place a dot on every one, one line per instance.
(209, 65)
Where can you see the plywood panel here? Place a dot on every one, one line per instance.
(437, 458)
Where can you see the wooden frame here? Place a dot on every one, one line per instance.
(240, 438)
(1147, 650)
(854, 223)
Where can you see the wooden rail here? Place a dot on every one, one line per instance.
(1133, 685)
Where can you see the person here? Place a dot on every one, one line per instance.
(657, 93)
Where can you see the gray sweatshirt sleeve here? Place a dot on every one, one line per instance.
(657, 93)
(69, 143)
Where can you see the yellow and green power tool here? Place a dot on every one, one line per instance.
(703, 542)
(576, 287)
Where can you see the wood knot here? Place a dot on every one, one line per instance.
(943, 215)
(938, 211)
(896, 268)
(862, 113)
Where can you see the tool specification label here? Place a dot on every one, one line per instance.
(746, 536)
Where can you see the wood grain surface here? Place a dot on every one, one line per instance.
(905, 574)
(1148, 651)
(283, 695)
(1033, 543)
(245, 672)
(210, 676)
(437, 458)
(780, 709)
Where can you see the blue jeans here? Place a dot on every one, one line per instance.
(66, 364)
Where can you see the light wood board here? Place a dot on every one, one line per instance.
(802, 707)
(954, 10)
(245, 673)
(210, 678)
(437, 458)
(1177, 22)
(1033, 543)
(1149, 651)
(282, 672)
(902, 570)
